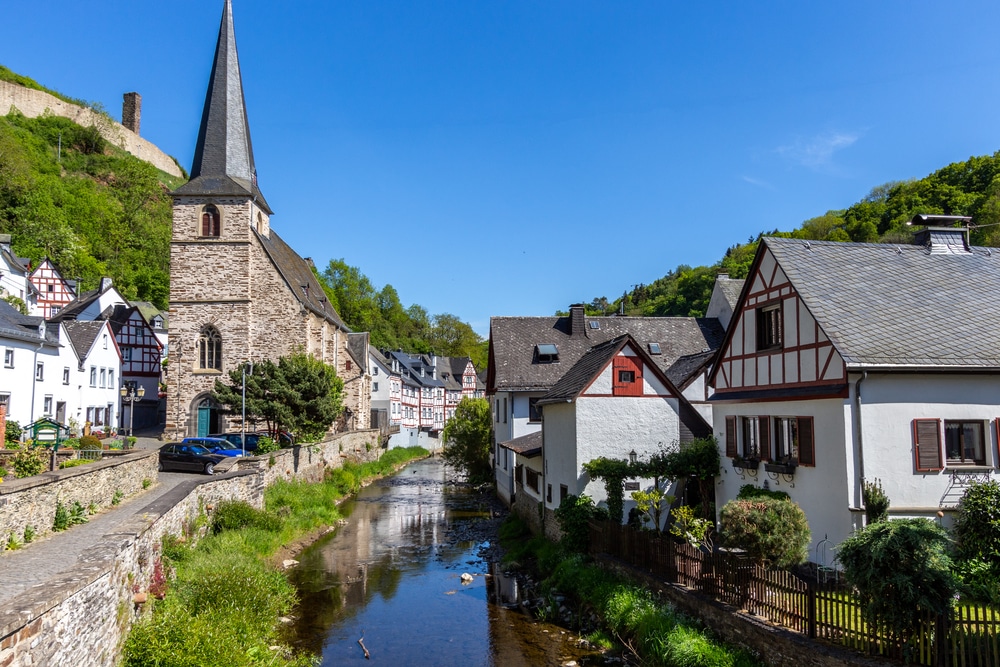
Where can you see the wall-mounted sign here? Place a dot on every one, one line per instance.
(631, 486)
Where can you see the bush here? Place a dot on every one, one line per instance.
(574, 514)
(12, 432)
(266, 445)
(28, 462)
(90, 442)
(979, 581)
(977, 526)
(72, 463)
(71, 443)
(773, 532)
(876, 502)
(236, 514)
(749, 491)
(901, 570)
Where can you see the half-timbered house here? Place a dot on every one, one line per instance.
(141, 353)
(848, 362)
(54, 291)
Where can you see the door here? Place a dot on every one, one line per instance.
(61, 412)
(204, 417)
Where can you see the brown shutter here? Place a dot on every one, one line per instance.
(807, 447)
(623, 363)
(764, 435)
(731, 437)
(927, 444)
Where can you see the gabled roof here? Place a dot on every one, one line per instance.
(887, 305)
(686, 368)
(223, 157)
(149, 311)
(16, 326)
(410, 366)
(73, 309)
(513, 339)
(82, 334)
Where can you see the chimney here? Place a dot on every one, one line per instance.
(309, 262)
(131, 111)
(940, 240)
(722, 276)
(434, 366)
(577, 321)
(105, 285)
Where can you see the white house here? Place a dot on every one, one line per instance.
(95, 379)
(14, 273)
(854, 361)
(617, 403)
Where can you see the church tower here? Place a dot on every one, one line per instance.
(237, 291)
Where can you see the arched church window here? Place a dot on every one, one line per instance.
(210, 221)
(210, 349)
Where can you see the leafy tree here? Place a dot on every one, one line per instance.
(901, 570)
(467, 438)
(772, 532)
(651, 505)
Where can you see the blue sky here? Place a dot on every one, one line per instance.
(510, 158)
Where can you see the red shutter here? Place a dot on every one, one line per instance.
(764, 433)
(626, 364)
(731, 437)
(807, 446)
(927, 444)
(996, 461)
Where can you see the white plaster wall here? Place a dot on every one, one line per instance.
(520, 423)
(18, 381)
(603, 384)
(87, 396)
(824, 491)
(561, 456)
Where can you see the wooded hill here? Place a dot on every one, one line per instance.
(95, 210)
(963, 188)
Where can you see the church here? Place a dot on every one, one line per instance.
(238, 292)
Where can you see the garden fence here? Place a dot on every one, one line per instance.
(826, 610)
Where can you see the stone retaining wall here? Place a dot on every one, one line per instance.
(33, 103)
(82, 618)
(32, 501)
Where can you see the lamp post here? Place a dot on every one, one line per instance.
(131, 395)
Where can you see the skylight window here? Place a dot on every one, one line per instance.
(546, 353)
(654, 348)
(594, 324)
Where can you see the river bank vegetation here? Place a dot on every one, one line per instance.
(218, 603)
(648, 627)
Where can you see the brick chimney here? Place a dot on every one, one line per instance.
(577, 321)
(132, 111)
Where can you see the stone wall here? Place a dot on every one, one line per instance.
(82, 618)
(32, 501)
(33, 103)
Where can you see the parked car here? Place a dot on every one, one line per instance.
(214, 445)
(280, 437)
(188, 457)
(234, 439)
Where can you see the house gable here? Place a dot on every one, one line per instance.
(775, 342)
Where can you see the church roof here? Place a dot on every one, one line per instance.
(223, 157)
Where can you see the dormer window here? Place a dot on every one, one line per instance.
(210, 221)
(546, 353)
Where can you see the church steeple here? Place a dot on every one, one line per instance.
(223, 158)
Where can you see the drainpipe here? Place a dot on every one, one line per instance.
(34, 380)
(859, 438)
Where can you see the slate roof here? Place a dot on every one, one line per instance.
(887, 305)
(73, 309)
(731, 289)
(149, 311)
(82, 334)
(583, 371)
(409, 369)
(223, 158)
(16, 326)
(528, 446)
(686, 368)
(513, 341)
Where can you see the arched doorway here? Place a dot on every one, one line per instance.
(208, 417)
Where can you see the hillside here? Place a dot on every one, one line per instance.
(968, 188)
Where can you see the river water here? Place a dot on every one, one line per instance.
(391, 576)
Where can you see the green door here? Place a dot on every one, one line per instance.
(204, 418)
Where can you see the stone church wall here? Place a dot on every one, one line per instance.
(33, 103)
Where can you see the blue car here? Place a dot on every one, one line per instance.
(215, 445)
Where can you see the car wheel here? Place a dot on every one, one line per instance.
(159, 467)
(209, 468)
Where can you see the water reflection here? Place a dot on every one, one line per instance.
(392, 576)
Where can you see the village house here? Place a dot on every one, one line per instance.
(853, 362)
(53, 291)
(238, 292)
(14, 282)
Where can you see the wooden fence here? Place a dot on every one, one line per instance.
(827, 610)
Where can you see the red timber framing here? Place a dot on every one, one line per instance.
(793, 352)
(141, 351)
(53, 291)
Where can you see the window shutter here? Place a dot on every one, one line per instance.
(996, 461)
(764, 433)
(807, 447)
(731, 437)
(927, 444)
(623, 363)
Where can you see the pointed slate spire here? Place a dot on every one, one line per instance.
(223, 157)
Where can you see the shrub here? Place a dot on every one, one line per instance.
(90, 442)
(71, 443)
(77, 514)
(876, 502)
(979, 581)
(29, 534)
(266, 445)
(574, 514)
(116, 498)
(748, 491)
(28, 462)
(72, 463)
(977, 526)
(901, 569)
(236, 514)
(12, 433)
(773, 532)
(61, 520)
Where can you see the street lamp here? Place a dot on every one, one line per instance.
(130, 395)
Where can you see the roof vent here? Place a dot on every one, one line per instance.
(941, 240)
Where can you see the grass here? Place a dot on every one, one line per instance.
(653, 629)
(223, 604)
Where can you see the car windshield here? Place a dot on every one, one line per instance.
(198, 449)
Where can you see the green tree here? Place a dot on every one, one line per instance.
(467, 437)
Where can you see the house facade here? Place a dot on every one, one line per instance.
(14, 274)
(850, 362)
(238, 292)
(53, 291)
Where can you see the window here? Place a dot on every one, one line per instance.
(505, 410)
(769, 327)
(104, 378)
(786, 439)
(8, 358)
(90, 415)
(744, 437)
(534, 414)
(563, 492)
(546, 353)
(963, 443)
(47, 406)
(126, 354)
(497, 410)
(5, 401)
(374, 386)
(626, 376)
(210, 349)
(93, 376)
(111, 378)
(531, 479)
(374, 370)
(210, 221)
(50, 288)
(594, 324)
(347, 365)
(66, 375)
(654, 348)
(40, 371)
(548, 493)
(105, 341)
